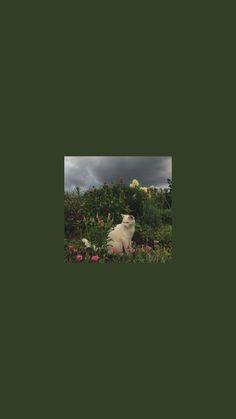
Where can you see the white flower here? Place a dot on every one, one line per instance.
(144, 189)
(134, 184)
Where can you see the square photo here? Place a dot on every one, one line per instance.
(117, 209)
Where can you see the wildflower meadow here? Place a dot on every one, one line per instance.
(92, 214)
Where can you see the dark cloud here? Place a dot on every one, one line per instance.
(88, 171)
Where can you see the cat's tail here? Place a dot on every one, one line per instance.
(88, 244)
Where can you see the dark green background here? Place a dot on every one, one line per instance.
(117, 340)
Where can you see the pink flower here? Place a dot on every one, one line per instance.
(79, 258)
(148, 248)
(156, 242)
(95, 258)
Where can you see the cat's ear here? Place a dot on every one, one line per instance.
(122, 215)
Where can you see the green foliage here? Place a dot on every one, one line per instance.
(166, 216)
(72, 203)
(165, 234)
(150, 215)
(91, 215)
(94, 229)
(114, 199)
(104, 200)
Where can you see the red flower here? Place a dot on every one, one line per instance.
(79, 258)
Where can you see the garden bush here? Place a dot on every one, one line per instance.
(166, 216)
(114, 199)
(71, 211)
(92, 214)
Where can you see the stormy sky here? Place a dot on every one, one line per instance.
(86, 172)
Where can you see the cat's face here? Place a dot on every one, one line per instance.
(128, 220)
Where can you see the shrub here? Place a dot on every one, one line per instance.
(114, 199)
(145, 234)
(95, 229)
(71, 211)
(166, 216)
(150, 216)
(165, 234)
(92, 214)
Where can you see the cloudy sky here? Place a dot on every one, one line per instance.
(86, 172)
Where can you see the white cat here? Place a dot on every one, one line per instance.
(120, 236)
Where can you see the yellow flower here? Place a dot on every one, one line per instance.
(144, 189)
(134, 183)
